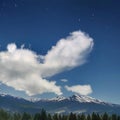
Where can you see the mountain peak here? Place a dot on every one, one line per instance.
(84, 98)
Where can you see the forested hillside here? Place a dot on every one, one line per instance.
(4, 115)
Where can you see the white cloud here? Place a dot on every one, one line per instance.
(24, 70)
(64, 80)
(80, 89)
(20, 69)
(68, 53)
(11, 47)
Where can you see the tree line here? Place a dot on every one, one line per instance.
(4, 115)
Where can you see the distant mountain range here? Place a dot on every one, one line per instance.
(76, 104)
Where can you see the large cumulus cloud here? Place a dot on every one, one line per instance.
(24, 70)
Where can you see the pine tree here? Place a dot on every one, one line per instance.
(94, 116)
(65, 117)
(72, 116)
(114, 117)
(60, 117)
(88, 117)
(17, 116)
(26, 116)
(49, 117)
(105, 116)
(43, 115)
(118, 118)
(55, 117)
(98, 117)
(4, 115)
(83, 117)
(37, 116)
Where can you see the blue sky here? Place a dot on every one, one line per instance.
(40, 24)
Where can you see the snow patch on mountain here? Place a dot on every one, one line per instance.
(58, 98)
(83, 98)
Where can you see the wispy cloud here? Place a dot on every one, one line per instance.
(80, 89)
(64, 80)
(24, 70)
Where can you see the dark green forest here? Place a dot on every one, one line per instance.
(4, 115)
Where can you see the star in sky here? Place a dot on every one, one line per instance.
(79, 20)
(6, 5)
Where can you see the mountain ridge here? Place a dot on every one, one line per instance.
(75, 103)
(74, 97)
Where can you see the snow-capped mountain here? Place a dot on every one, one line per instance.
(76, 97)
(76, 103)
(84, 99)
